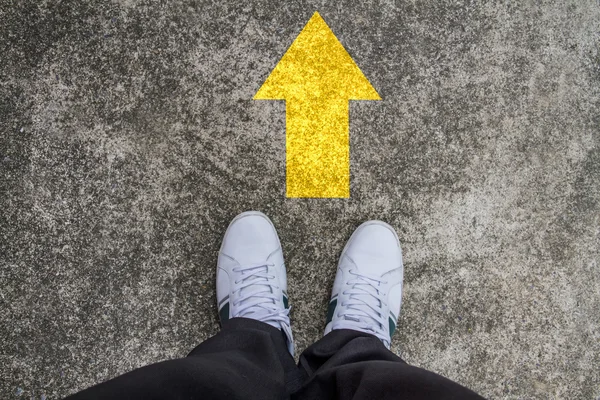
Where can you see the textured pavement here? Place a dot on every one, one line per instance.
(128, 140)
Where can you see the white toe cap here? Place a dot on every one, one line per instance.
(374, 245)
(250, 238)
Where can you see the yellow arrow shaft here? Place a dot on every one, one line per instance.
(317, 148)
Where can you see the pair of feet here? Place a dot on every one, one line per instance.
(367, 291)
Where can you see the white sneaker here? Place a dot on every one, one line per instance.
(367, 291)
(251, 278)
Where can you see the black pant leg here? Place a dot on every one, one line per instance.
(347, 364)
(247, 359)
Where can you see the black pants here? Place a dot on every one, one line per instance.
(248, 359)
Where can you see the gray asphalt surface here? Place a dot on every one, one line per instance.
(129, 140)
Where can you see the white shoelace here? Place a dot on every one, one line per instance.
(257, 295)
(363, 308)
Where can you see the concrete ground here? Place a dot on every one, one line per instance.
(129, 140)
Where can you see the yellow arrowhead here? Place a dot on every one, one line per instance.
(317, 77)
(316, 65)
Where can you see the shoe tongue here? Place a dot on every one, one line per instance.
(365, 298)
(258, 284)
(263, 315)
(364, 308)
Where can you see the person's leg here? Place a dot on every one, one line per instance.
(348, 364)
(353, 360)
(247, 359)
(251, 358)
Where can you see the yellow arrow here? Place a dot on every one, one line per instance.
(317, 77)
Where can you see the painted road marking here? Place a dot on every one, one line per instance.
(317, 78)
